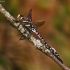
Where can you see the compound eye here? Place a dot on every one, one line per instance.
(20, 17)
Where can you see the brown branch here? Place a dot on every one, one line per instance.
(35, 41)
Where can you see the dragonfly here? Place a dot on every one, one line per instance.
(27, 23)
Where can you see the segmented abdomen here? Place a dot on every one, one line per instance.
(49, 48)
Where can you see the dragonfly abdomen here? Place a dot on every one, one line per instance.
(52, 50)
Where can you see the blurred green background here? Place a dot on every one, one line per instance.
(22, 55)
